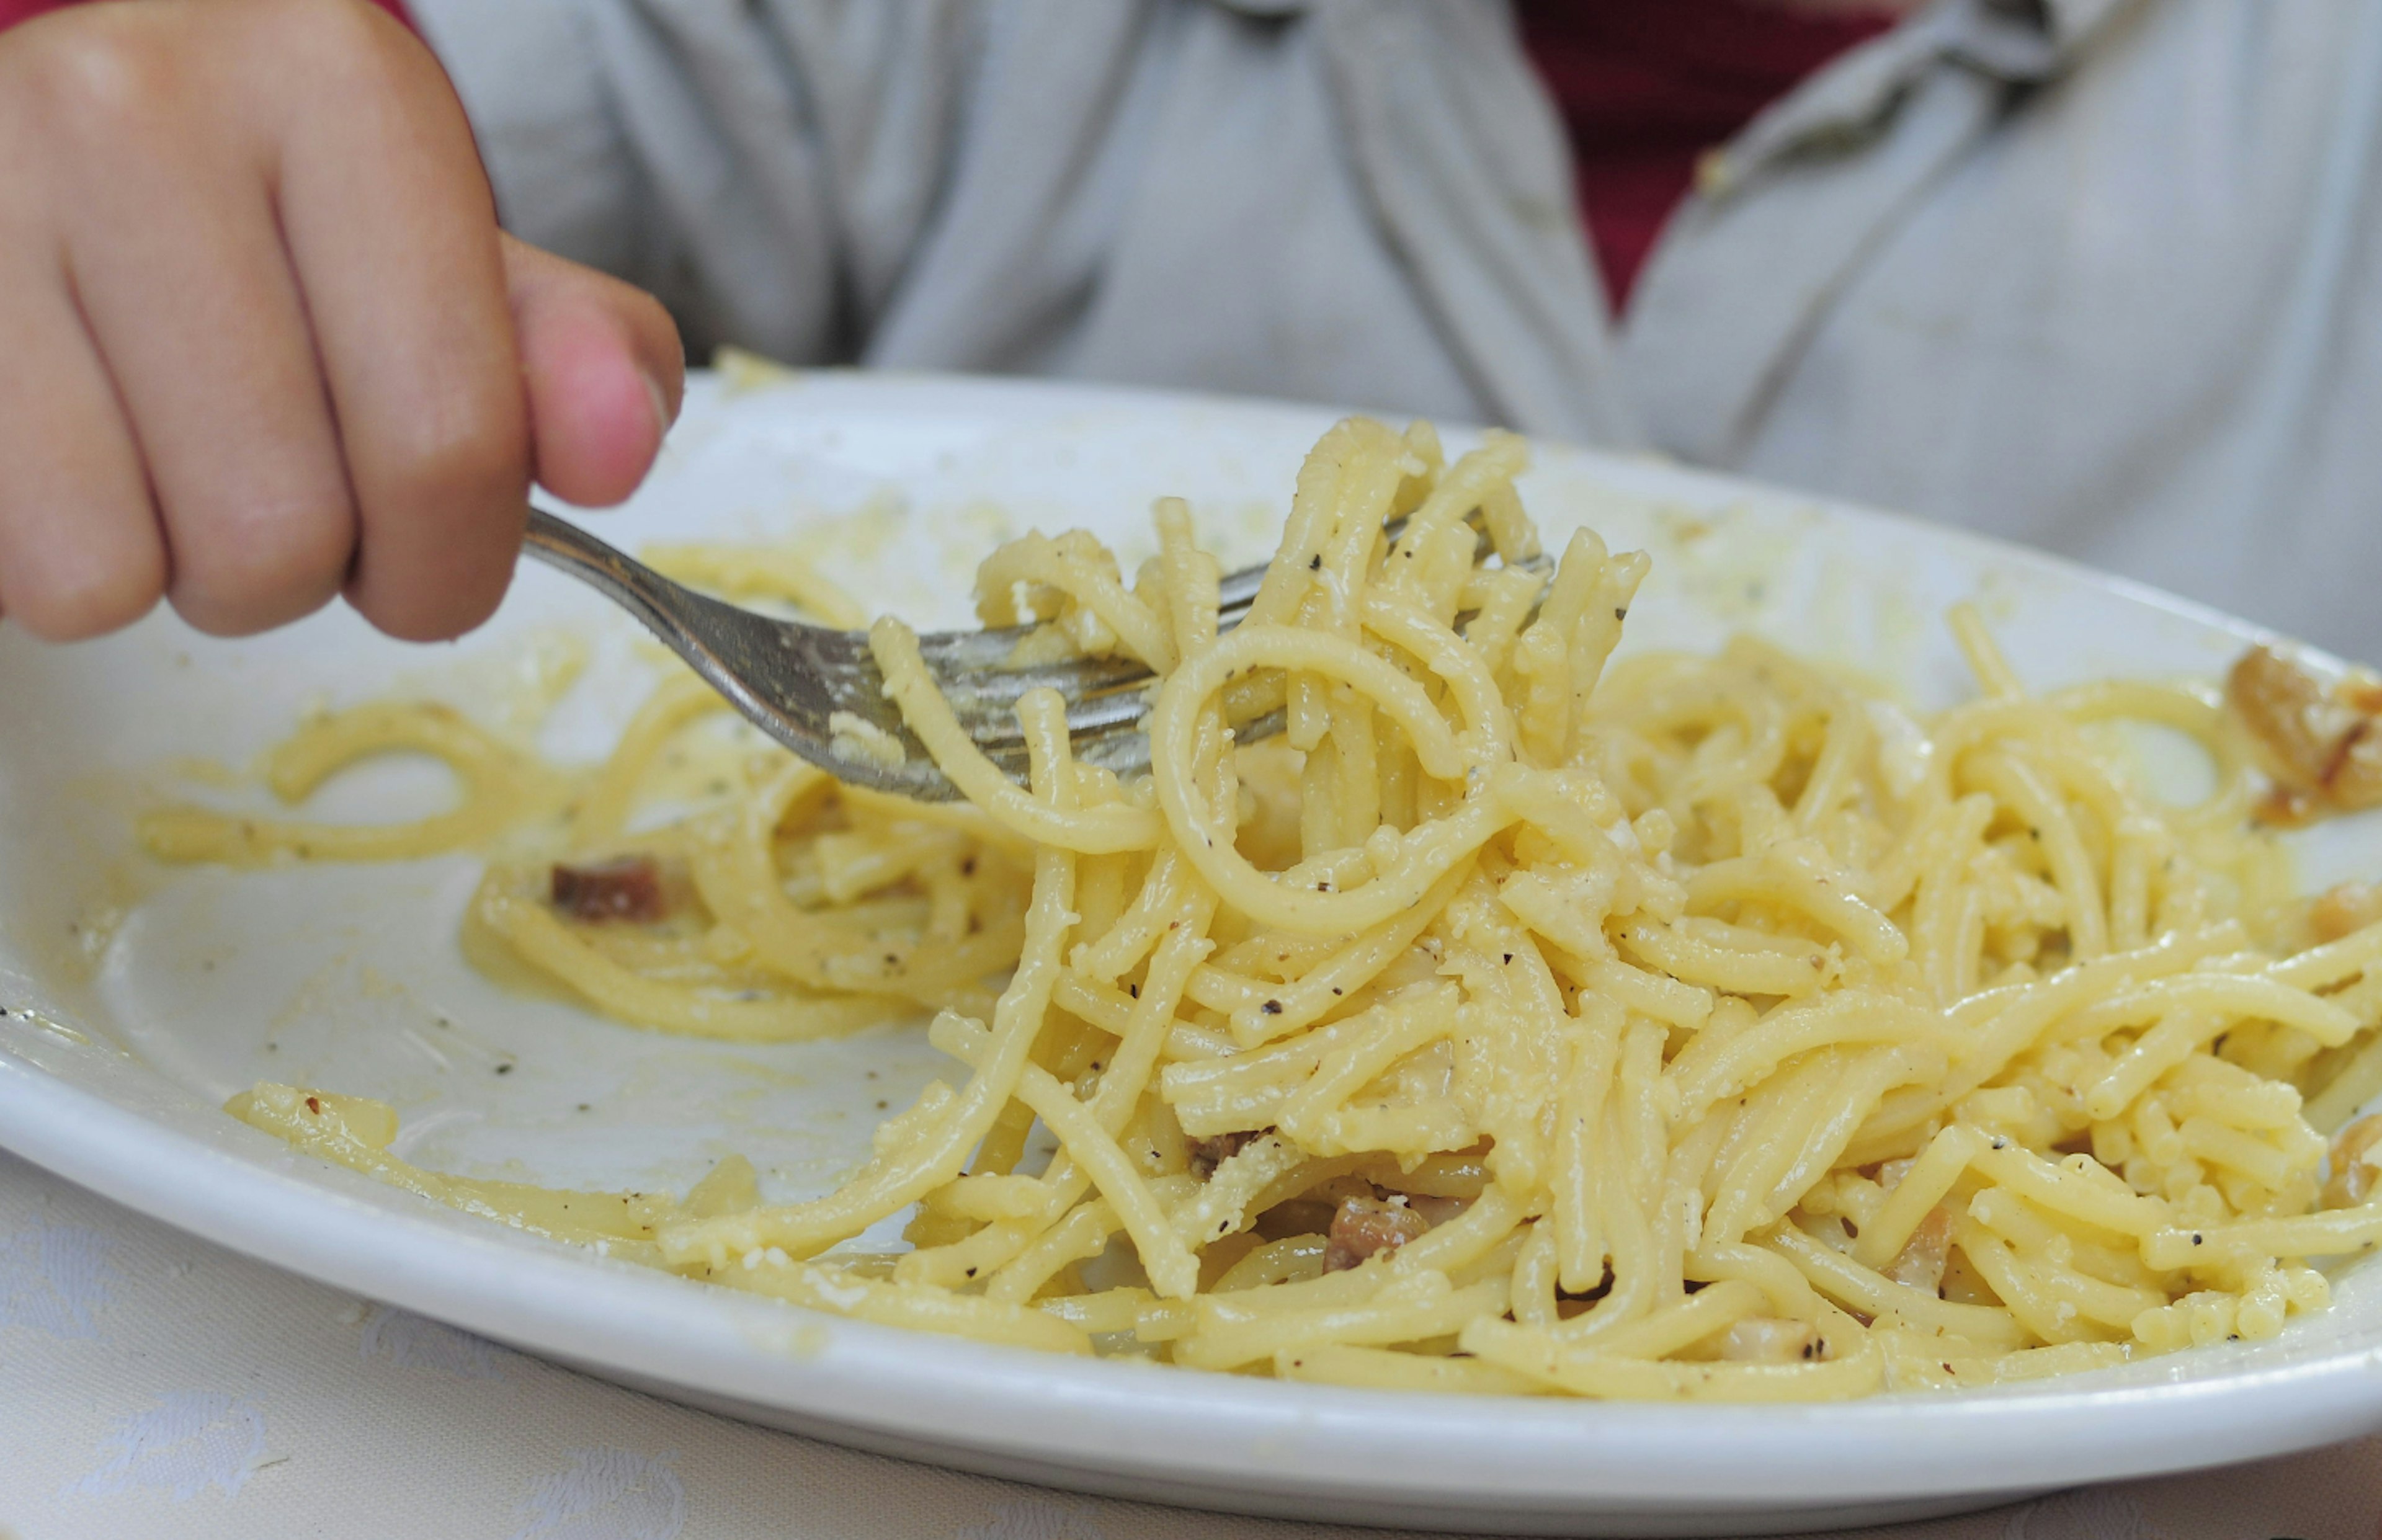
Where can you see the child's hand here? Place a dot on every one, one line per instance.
(261, 340)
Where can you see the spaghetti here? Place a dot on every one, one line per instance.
(1519, 1020)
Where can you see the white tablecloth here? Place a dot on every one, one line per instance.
(155, 1387)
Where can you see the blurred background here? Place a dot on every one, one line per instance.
(2100, 275)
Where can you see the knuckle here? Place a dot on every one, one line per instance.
(442, 463)
(219, 613)
(76, 600)
(100, 75)
(94, 83)
(235, 574)
(439, 609)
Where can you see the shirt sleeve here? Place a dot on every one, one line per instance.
(764, 169)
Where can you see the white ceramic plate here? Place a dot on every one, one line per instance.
(138, 999)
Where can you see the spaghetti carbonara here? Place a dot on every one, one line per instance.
(1518, 1019)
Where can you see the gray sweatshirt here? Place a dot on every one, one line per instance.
(2103, 276)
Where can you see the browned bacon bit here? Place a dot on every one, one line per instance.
(2353, 1159)
(627, 888)
(2347, 907)
(1210, 1153)
(1366, 1227)
(2320, 742)
(1921, 1262)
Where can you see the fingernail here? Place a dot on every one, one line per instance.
(661, 404)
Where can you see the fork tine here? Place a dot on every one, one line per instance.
(793, 681)
(975, 670)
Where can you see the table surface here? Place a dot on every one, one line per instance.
(155, 1386)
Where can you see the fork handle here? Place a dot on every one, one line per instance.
(624, 580)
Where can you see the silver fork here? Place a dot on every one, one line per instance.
(790, 679)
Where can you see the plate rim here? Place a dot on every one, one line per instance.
(339, 1227)
(551, 1299)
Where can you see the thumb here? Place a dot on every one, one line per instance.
(604, 370)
